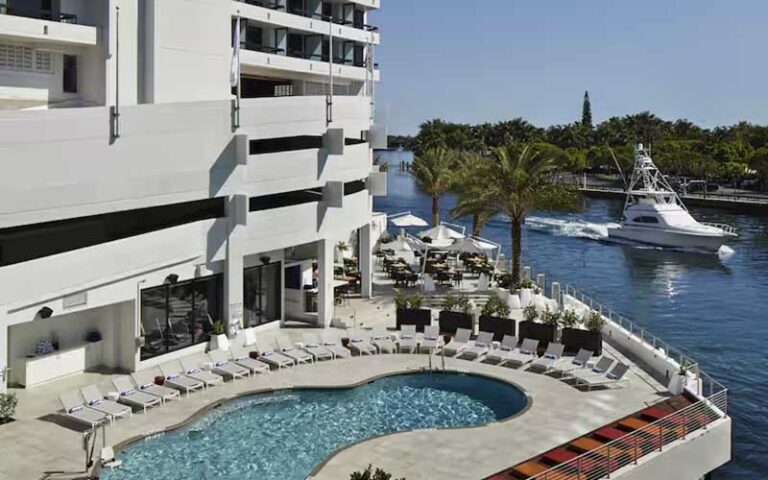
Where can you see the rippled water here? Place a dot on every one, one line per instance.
(283, 436)
(714, 307)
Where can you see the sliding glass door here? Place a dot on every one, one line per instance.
(262, 294)
(179, 315)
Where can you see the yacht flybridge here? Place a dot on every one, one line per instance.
(655, 215)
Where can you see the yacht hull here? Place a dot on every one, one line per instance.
(668, 238)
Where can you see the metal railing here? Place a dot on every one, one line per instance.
(654, 437)
(722, 226)
(38, 14)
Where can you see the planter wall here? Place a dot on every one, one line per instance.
(421, 317)
(575, 338)
(499, 326)
(451, 321)
(537, 331)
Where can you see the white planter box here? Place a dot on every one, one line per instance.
(218, 342)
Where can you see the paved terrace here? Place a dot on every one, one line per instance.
(40, 442)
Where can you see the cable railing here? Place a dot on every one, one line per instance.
(654, 437)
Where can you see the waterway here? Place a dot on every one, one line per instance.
(713, 307)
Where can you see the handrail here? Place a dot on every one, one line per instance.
(600, 462)
(644, 336)
(722, 226)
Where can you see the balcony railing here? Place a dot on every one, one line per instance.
(38, 14)
(311, 14)
(654, 437)
(261, 48)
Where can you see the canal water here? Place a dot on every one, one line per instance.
(713, 307)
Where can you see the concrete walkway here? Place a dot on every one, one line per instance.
(39, 442)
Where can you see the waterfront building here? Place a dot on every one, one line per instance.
(149, 191)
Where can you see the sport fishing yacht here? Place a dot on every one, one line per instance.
(655, 215)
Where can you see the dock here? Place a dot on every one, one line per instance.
(739, 203)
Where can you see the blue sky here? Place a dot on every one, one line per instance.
(489, 60)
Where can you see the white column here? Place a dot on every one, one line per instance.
(366, 261)
(237, 216)
(324, 282)
(3, 349)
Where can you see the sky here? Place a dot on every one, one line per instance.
(475, 61)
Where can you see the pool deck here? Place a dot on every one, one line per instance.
(40, 442)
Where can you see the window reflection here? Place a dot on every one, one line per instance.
(180, 315)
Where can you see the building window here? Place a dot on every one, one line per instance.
(262, 294)
(70, 74)
(25, 59)
(180, 315)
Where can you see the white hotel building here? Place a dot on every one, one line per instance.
(140, 201)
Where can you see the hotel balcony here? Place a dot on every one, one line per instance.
(43, 26)
(305, 21)
(298, 62)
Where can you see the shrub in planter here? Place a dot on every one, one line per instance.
(494, 318)
(456, 314)
(591, 339)
(409, 312)
(569, 319)
(530, 314)
(550, 317)
(505, 281)
(8, 402)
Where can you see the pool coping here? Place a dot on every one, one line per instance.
(120, 446)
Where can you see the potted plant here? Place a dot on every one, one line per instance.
(590, 337)
(494, 318)
(8, 402)
(678, 381)
(409, 311)
(341, 247)
(219, 340)
(456, 313)
(531, 328)
(526, 292)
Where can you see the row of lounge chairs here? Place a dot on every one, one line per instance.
(202, 371)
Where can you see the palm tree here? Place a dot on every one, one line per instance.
(433, 171)
(519, 181)
(471, 200)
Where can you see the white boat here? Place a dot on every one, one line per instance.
(655, 215)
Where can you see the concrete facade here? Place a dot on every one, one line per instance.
(180, 137)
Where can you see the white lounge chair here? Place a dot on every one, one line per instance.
(544, 363)
(610, 378)
(315, 348)
(458, 343)
(430, 338)
(75, 409)
(522, 355)
(240, 355)
(194, 368)
(500, 355)
(133, 397)
(602, 366)
(477, 348)
(145, 381)
(275, 359)
(333, 344)
(406, 338)
(287, 349)
(565, 364)
(175, 378)
(96, 401)
(361, 344)
(383, 341)
(222, 366)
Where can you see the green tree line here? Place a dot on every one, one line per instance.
(679, 147)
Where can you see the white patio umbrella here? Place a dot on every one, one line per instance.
(407, 219)
(441, 232)
(470, 245)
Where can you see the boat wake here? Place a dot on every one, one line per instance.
(570, 227)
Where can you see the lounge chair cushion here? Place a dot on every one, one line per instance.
(550, 356)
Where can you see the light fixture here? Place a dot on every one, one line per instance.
(171, 279)
(45, 312)
(265, 259)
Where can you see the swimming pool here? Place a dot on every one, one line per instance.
(285, 435)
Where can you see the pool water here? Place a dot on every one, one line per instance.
(285, 435)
